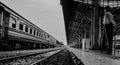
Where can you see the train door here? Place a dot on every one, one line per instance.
(4, 21)
(1, 23)
(4, 24)
(6, 16)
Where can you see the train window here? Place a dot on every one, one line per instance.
(21, 26)
(26, 29)
(41, 35)
(48, 36)
(13, 20)
(34, 32)
(45, 36)
(37, 33)
(30, 31)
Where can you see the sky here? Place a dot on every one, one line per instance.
(46, 14)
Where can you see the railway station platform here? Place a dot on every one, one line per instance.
(95, 58)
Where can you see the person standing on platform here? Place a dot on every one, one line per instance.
(108, 23)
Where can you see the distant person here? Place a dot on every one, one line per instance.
(109, 22)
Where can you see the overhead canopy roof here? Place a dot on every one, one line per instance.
(78, 16)
(111, 3)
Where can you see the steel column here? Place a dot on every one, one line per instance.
(95, 22)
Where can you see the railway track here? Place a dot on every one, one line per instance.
(13, 54)
(54, 57)
(63, 57)
(27, 59)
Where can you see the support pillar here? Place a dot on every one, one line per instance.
(95, 27)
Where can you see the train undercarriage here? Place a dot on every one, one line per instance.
(11, 45)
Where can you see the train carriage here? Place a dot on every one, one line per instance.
(16, 32)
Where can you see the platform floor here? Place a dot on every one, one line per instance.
(90, 58)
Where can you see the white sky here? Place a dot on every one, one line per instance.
(46, 14)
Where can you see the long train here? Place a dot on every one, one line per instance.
(18, 33)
